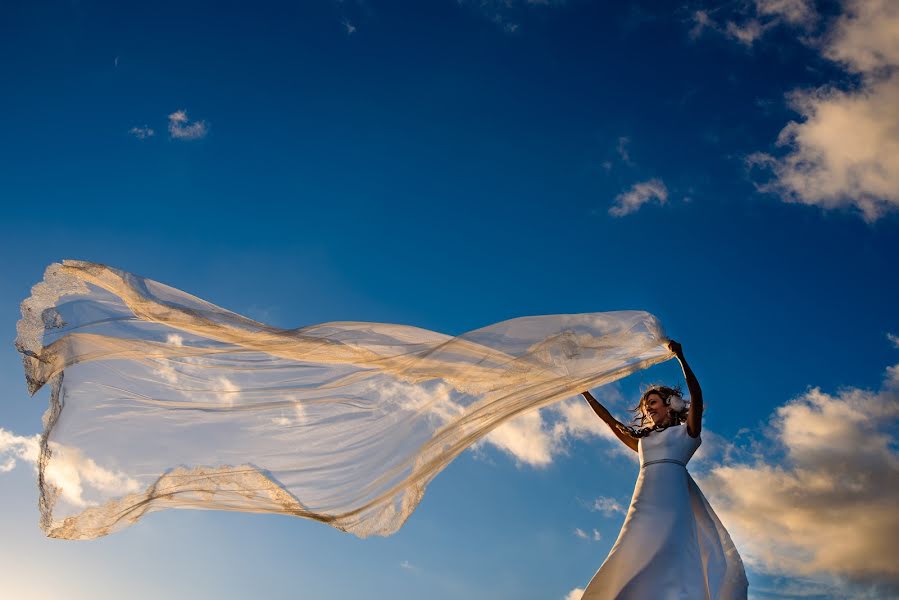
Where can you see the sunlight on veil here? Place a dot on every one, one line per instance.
(159, 399)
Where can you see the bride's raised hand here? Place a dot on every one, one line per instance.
(675, 347)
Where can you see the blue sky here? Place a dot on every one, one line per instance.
(450, 164)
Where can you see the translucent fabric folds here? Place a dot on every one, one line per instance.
(162, 400)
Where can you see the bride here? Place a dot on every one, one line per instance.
(672, 545)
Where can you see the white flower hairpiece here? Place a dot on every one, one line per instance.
(676, 403)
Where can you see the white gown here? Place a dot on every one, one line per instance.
(672, 545)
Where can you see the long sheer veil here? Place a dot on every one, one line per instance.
(159, 399)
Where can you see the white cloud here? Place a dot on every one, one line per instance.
(72, 471)
(407, 565)
(533, 438)
(526, 438)
(537, 437)
(639, 194)
(828, 508)
(14, 448)
(578, 420)
(844, 150)
(894, 339)
(607, 506)
(142, 133)
(350, 28)
(866, 37)
(581, 422)
(181, 128)
(575, 594)
(68, 469)
(435, 401)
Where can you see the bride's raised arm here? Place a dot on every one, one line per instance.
(694, 414)
(611, 421)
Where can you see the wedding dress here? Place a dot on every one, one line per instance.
(672, 545)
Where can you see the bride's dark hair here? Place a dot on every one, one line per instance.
(665, 392)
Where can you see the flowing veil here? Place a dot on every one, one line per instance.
(159, 399)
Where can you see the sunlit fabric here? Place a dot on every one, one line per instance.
(162, 400)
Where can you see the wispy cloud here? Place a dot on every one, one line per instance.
(746, 32)
(175, 374)
(595, 536)
(795, 12)
(894, 339)
(182, 128)
(607, 506)
(142, 133)
(747, 22)
(700, 22)
(640, 193)
(507, 14)
(621, 148)
(820, 501)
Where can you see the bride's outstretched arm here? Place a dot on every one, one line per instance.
(694, 414)
(613, 424)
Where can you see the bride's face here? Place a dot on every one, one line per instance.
(655, 410)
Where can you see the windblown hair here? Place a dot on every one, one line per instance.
(640, 418)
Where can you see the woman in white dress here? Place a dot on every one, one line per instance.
(672, 545)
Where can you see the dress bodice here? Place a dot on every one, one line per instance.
(671, 443)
